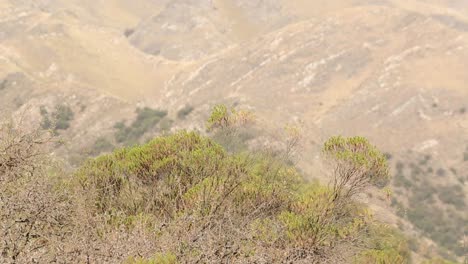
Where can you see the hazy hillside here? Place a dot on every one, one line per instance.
(392, 71)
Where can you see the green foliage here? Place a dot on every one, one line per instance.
(401, 181)
(386, 246)
(60, 119)
(222, 118)
(219, 117)
(64, 115)
(177, 161)
(453, 195)
(202, 193)
(102, 144)
(360, 155)
(315, 220)
(166, 124)
(231, 128)
(234, 141)
(46, 122)
(146, 119)
(436, 210)
(180, 165)
(438, 261)
(436, 224)
(184, 112)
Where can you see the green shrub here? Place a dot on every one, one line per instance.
(184, 112)
(453, 195)
(204, 195)
(64, 115)
(222, 118)
(438, 221)
(440, 225)
(146, 119)
(234, 141)
(437, 261)
(166, 124)
(387, 246)
(102, 144)
(60, 119)
(416, 172)
(219, 117)
(401, 181)
(181, 165)
(358, 161)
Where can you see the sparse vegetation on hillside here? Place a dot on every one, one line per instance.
(146, 120)
(435, 209)
(60, 119)
(438, 261)
(102, 144)
(184, 112)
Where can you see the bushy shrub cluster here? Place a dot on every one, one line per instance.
(60, 119)
(146, 119)
(214, 206)
(182, 198)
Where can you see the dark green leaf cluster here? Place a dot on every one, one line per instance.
(60, 119)
(146, 119)
(184, 112)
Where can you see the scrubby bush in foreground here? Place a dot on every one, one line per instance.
(207, 205)
(183, 198)
(33, 209)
